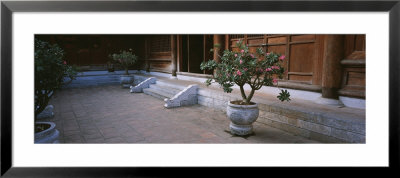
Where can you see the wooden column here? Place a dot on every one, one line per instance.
(217, 47)
(178, 53)
(173, 55)
(331, 68)
(147, 54)
(227, 42)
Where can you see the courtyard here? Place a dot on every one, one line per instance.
(110, 114)
(319, 98)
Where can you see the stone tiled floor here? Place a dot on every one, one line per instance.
(110, 114)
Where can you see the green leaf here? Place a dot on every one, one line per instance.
(284, 95)
(208, 81)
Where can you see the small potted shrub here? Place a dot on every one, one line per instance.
(110, 66)
(125, 59)
(50, 71)
(241, 68)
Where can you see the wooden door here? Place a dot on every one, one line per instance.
(354, 80)
(196, 53)
(160, 53)
(193, 50)
(303, 61)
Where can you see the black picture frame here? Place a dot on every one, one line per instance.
(8, 7)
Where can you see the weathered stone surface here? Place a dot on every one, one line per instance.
(220, 104)
(148, 121)
(348, 136)
(240, 129)
(145, 84)
(325, 138)
(126, 80)
(203, 99)
(204, 92)
(273, 116)
(314, 127)
(288, 114)
(286, 127)
(292, 121)
(320, 123)
(242, 118)
(264, 107)
(186, 97)
(115, 140)
(138, 79)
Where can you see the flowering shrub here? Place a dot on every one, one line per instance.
(243, 67)
(125, 58)
(50, 70)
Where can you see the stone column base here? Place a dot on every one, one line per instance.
(329, 101)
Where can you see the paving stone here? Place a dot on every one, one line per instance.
(73, 141)
(109, 114)
(70, 127)
(207, 135)
(115, 140)
(135, 139)
(95, 140)
(92, 136)
(85, 122)
(71, 132)
(314, 127)
(67, 115)
(324, 138)
(345, 135)
(80, 113)
(110, 134)
(75, 138)
(89, 131)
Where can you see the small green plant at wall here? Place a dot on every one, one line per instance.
(50, 71)
(243, 67)
(125, 58)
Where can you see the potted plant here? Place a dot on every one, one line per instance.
(50, 71)
(110, 66)
(241, 68)
(125, 59)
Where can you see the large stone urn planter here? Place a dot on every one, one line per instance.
(48, 135)
(126, 81)
(242, 118)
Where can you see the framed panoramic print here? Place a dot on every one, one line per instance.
(112, 88)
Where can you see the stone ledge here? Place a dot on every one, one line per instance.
(301, 117)
(347, 121)
(187, 96)
(323, 131)
(301, 132)
(142, 85)
(322, 125)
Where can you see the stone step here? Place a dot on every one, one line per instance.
(324, 124)
(169, 90)
(170, 85)
(157, 93)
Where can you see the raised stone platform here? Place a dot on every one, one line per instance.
(138, 88)
(301, 116)
(325, 123)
